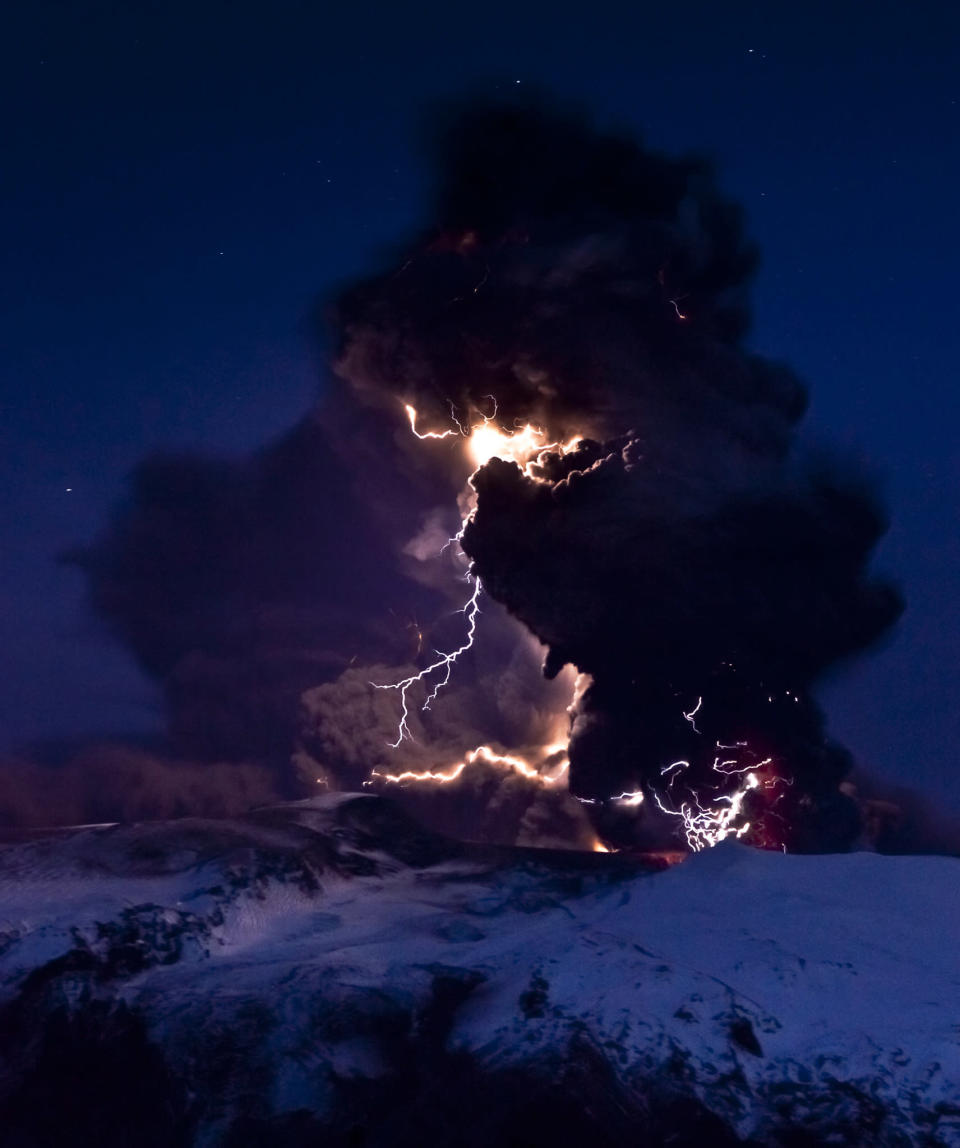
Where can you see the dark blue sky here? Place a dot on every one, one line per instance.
(181, 180)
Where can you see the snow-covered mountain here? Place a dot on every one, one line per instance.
(329, 973)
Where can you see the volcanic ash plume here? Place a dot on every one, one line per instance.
(548, 497)
(676, 548)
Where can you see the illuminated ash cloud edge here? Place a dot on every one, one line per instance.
(681, 550)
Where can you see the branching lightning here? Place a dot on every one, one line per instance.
(706, 826)
(444, 663)
(485, 440)
(708, 823)
(705, 822)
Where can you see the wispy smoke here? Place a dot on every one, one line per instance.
(684, 554)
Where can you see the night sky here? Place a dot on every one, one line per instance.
(181, 182)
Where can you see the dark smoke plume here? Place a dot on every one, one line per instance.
(684, 555)
(683, 551)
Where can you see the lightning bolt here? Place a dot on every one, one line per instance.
(706, 826)
(412, 416)
(482, 753)
(444, 663)
(693, 713)
(484, 440)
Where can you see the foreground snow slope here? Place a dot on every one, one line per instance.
(327, 972)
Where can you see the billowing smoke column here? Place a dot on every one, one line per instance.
(544, 447)
(683, 554)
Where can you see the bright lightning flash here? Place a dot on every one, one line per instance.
(706, 825)
(488, 441)
(485, 440)
(488, 756)
(412, 416)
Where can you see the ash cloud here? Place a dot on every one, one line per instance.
(685, 550)
(265, 594)
(686, 553)
(552, 278)
(239, 585)
(734, 609)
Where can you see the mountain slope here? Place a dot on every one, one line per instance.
(328, 972)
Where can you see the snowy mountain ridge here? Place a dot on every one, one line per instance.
(329, 972)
